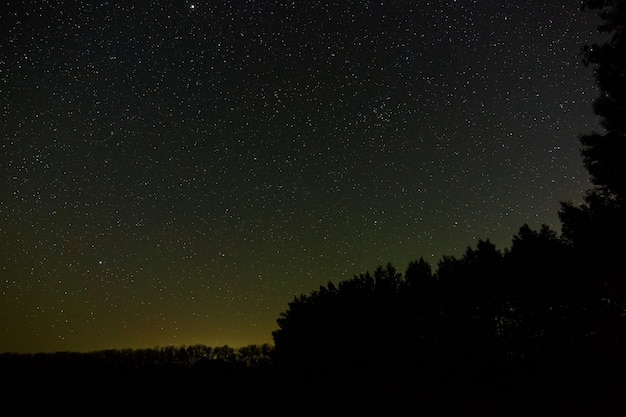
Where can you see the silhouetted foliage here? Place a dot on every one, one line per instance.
(165, 359)
(522, 319)
(161, 381)
(604, 154)
(597, 228)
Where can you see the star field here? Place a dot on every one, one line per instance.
(175, 172)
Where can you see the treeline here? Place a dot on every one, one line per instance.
(162, 381)
(199, 358)
(486, 311)
(535, 329)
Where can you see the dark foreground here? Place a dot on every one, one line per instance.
(268, 392)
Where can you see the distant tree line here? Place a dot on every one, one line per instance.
(159, 359)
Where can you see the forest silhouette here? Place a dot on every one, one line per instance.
(535, 329)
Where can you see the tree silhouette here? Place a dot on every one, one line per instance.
(597, 228)
(350, 330)
(604, 154)
(525, 320)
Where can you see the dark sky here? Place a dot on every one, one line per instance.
(175, 172)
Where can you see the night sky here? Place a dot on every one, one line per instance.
(174, 173)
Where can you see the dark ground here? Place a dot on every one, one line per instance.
(268, 393)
